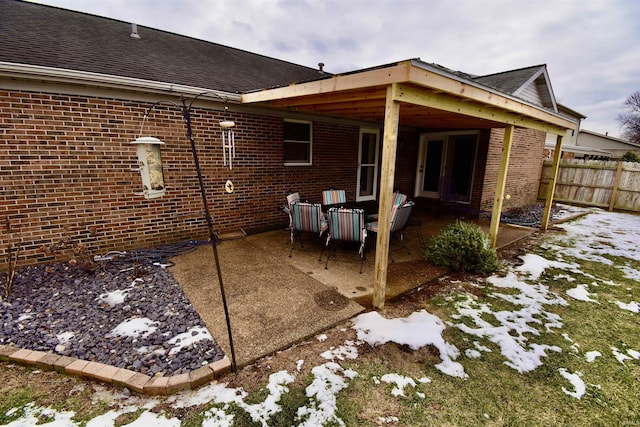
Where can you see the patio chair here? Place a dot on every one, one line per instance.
(333, 197)
(398, 199)
(307, 218)
(291, 199)
(346, 225)
(399, 219)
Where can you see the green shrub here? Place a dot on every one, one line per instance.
(630, 156)
(463, 247)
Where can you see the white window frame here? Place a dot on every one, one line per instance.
(375, 165)
(310, 142)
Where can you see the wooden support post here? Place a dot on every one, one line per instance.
(552, 184)
(616, 184)
(389, 144)
(500, 185)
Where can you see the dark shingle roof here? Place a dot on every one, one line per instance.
(509, 81)
(48, 36)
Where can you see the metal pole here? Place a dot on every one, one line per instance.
(186, 113)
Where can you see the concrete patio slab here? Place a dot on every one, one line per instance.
(272, 304)
(275, 300)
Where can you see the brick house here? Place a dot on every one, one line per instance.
(74, 89)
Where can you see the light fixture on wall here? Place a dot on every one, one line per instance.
(148, 148)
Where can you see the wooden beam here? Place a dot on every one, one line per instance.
(453, 104)
(352, 96)
(374, 105)
(359, 80)
(389, 145)
(468, 91)
(551, 187)
(500, 185)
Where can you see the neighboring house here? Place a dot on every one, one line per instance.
(590, 145)
(597, 141)
(570, 149)
(74, 89)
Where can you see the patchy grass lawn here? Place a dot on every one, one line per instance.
(552, 340)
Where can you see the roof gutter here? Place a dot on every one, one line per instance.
(61, 75)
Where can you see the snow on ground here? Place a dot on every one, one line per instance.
(513, 331)
(601, 234)
(136, 326)
(32, 415)
(632, 306)
(114, 298)
(399, 383)
(622, 357)
(417, 330)
(576, 381)
(188, 338)
(118, 296)
(592, 355)
(581, 293)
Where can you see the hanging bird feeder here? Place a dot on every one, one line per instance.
(150, 166)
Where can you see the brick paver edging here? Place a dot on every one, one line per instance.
(134, 381)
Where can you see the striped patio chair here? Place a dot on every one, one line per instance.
(346, 225)
(333, 197)
(398, 199)
(291, 199)
(307, 218)
(399, 219)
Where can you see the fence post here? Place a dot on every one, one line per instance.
(616, 184)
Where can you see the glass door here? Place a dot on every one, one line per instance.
(429, 175)
(445, 166)
(368, 164)
(460, 159)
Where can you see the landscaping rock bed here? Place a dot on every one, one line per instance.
(138, 319)
(531, 216)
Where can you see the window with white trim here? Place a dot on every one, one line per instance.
(297, 142)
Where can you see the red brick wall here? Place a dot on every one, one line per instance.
(66, 170)
(525, 167)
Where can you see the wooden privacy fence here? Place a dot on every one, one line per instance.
(605, 184)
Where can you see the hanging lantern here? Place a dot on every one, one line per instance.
(150, 163)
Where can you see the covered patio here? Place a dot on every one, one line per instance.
(415, 94)
(276, 301)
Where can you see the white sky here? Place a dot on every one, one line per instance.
(591, 48)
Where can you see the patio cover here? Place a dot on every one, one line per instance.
(417, 94)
